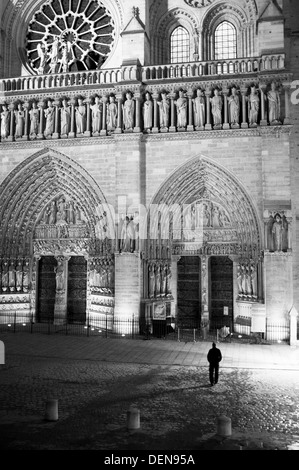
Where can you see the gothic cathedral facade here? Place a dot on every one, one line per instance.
(149, 163)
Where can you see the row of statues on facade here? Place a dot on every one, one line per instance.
(206, 215)
(247, 282)
(104, 113)
(61, 211)
(15, 275)
(159, 280)
(101, 276)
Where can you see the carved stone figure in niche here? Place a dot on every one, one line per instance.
(127, 236)
(96, 115)
(5, 115)
(12, 276)
(65, 114)
(19, 276)
(61, 213)
(158, 280)
(34, 120)
(163, 280)
(78, 215)
(92, 275)
(128, 112)
(20, 120)
(148, 112)
(53, 212)
(248, 281)
(5, 276)
(65, 57)
(273, 104)
(80, 111)
(164, 110)
(234, 108)
(168, 282)
(254, 106)
(43, 56)
(277, 231)
(253, 281)
(215, 217)
(26, 269)
(239, 279)
(199, 110)
(206, 216)
(59, 271)
(49, 115)
(152, 282)
(71, 212)
(54, 55)
(243, 279)
(217, 104)
(112, 113)
(181, 106)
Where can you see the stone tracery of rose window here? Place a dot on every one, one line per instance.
(82, 28)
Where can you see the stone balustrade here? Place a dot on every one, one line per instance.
(192, 70)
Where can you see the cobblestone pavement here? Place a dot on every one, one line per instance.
(178, 407)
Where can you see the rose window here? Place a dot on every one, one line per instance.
(69, 35)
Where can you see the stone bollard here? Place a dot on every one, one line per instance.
(51, 410)
(133, 418)
(224, 426)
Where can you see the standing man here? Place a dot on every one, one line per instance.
(214, 357)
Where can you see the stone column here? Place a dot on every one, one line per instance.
(137, 99)
(11, 108)
(208, 125)
(244, 124)
(287, 119)
(155, 129)
(172, 127)
(26, 127)
(225, 124)
(293, 327)
(289, 222)
(72, 132)
(119, 129)
(87, 133)
(264, 121)
(41, 106)
(60, 308)
(190, 126)
(128, 273)
(56, 127)
(174, 284)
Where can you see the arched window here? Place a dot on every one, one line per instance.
(225, 41)
(179, 45)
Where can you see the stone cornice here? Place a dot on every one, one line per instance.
(259, 131)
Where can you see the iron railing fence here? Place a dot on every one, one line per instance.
(221, 330)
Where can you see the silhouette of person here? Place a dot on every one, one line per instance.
(214, 357)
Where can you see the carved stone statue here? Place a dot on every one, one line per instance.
(26, 269)
(277, 231)
(4, 122)
(96, 115)
(274, 104)
(129, 112)
(53, 212)
(234, 108)
(217, 104)
(112, 113)
(127, 236)
(152, 282)
(158, 281)
(181, 105)
(199, 110)
(54, 55)
(59, 271)
(254, 106)
(168, 282)
(163, 280)
(42, 54)
(80, 117)
(12, 276)
(164, 111)
(20, 120)
(34, 120)
(4, 276)
(65, 114)
(65, 56)
(148, 112)
(49, 115)
(19, 276)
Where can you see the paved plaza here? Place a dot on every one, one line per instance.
(97, 380)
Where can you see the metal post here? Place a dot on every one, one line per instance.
(178, 334)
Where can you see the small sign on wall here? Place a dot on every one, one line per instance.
(159, 312)
(225, 310)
